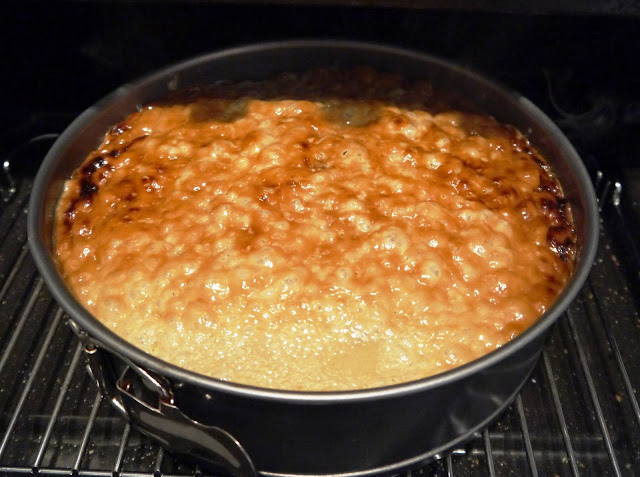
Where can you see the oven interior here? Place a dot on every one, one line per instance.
(578, 414)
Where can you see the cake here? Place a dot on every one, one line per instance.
(329, 230)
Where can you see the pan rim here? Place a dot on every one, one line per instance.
(87, 322)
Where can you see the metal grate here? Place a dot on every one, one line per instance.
(577, 415)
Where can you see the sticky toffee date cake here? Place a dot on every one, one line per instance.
(325, 231)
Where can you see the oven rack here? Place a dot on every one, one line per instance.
(578, 413)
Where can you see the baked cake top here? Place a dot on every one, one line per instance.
(332, 230)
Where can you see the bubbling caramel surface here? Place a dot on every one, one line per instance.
(314, 242)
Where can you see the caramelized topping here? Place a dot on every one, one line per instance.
(356, 233)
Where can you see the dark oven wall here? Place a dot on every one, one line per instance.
(580, 68)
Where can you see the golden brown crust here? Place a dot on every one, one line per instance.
(330, 240)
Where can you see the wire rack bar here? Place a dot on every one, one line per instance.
(58, 405)
(526, 437)
(557, 404)
(87, 431)
(18, 329)
(487, 450)
(17, 265)
(631, 248)
(157, 472)
(584, 365)
(602, 186)
(14, 470)
(117, 466)
(7, 183)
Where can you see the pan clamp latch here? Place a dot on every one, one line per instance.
(147, 401)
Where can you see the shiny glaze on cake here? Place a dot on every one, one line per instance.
(329, 231)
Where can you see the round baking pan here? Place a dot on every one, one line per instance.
(381, 430)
